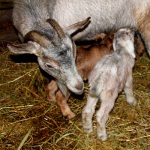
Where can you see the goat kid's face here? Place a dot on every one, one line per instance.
(124, 38)
(55, 56)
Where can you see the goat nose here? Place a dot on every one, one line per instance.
(79, 86)
(76, 87)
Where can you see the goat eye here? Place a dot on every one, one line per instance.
(62, 53)
(49, 66)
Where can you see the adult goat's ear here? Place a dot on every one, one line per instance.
(35, 39)
(78, 27)
(25, 48)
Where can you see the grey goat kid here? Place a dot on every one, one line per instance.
(110, 76)
(54, 47)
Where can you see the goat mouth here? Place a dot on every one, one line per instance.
(75, 90)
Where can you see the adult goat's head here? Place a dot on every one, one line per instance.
(56, 55)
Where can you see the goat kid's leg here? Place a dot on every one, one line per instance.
(88, 112)
(51, 90)
(62, 103)
(107, 104)
(128, 89)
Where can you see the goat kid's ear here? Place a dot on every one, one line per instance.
(25, 48)
(78, 27)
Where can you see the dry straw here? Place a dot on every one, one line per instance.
(23, 105)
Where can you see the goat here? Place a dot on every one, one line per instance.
(86, 59)
(109, 77)
(55, 54)
(105, 15)
(45, 38)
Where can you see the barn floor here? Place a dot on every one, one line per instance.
(29, 120)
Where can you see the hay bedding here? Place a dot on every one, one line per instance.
(25, 114)
(29, 121)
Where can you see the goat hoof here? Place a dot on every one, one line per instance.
(133, 102)
(51, 99)
(102, 137)
(88, 129)
(71, 115)
(68, 113)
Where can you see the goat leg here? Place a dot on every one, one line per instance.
(62, 103)
(107, 104)
(88, 112)
(51, 89)
(128, 89)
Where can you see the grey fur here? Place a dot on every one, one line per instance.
(105, 16)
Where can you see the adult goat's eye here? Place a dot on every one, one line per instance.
(62, 53)
(49, 66)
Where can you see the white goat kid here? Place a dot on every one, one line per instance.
(110, 76)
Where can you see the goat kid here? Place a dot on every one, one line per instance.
(109, 77)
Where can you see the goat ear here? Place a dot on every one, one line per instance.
(25, 48)
(63, 89)
(78, 27)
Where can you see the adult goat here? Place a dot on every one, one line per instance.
(55, 55)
